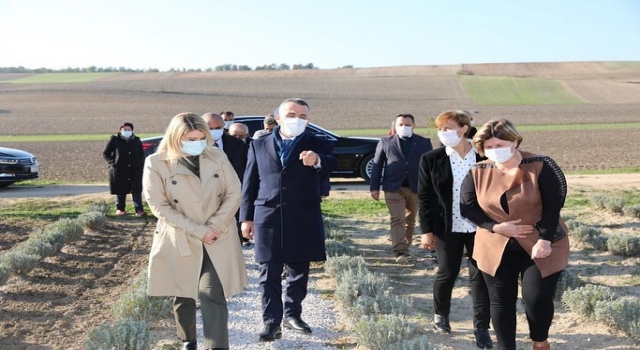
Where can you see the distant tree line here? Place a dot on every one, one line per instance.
(220, 68)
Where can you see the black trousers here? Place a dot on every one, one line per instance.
(450, 254)
(273, 308)
(537, 293)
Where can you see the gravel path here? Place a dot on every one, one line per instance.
(245, 318)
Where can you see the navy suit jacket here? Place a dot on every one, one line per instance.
(284, 201)
(435, 192)
(396, 167)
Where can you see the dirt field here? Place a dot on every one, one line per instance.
(340, 99)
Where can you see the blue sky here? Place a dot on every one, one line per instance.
(195, 34)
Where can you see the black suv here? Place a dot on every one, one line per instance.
(17, 165)
(354, 154)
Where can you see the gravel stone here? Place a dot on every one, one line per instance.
(245, 318)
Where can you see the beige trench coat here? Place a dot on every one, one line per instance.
(186, 206)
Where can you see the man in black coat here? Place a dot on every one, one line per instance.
(235, 149)
(280, 210)
(398, 156)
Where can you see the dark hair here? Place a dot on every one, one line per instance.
(126, 124)
(406, 115)
(227, 113)
(297, 101)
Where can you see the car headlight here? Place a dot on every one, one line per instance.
(8, 161)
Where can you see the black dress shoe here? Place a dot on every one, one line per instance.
(297, 324)
(441, 324)
(270, 332)
(190, 345)
(483, 339)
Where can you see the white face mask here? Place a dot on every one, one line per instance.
(216, 134)
(404, 131)
(293, 126)
(499, 155)
(127, 133)
(194, 148)
(449, 138)
(227, 124)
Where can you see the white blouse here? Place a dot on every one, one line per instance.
(460, 168)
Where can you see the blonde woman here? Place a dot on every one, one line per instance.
(515, 198)
(194, 192)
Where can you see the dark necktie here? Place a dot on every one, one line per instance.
(286, 150)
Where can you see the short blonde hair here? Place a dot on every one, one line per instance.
(178, 126)
(501, 129)
(461, 118)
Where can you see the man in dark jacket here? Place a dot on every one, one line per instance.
(280, 210)
(398, 156)
(125, 157)
(235, 149)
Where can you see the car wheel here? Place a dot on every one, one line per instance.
(366, 166)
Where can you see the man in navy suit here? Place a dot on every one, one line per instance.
(280, 211)
(398, 156)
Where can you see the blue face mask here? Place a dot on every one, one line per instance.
(126, 133)
(194, 148)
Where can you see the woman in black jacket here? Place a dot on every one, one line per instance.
(440, 175)
(125, 156)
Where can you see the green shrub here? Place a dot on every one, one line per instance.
(72, 229)
(572, 224)
(357, 283)
(101, 207)
(381, 332)
(337, 264)
(92, 220)
(38, 246)
(624, 244)
(568, 280)
(585, 233)
(420, 343)
(623, 314)
(135, 304)
(5, 272)
(338, 248)
(54, 237)
(600, 242)
(387, 304)
(583, 300)
(19, 262)
(600, 200)
(615, 204)
(632, 211)
(123, 335)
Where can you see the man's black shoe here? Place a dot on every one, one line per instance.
(441, 324)
(189, 345)
(483, 339)
(271, 332)
(297, 324)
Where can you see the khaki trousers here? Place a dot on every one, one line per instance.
(403, 209)
(213, 305)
